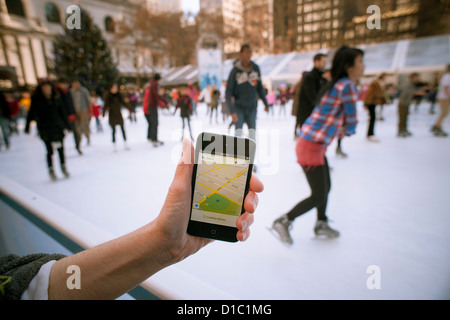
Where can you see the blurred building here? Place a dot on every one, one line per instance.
(303, 25)
(398, 19)
(228, 14)
(285, 25)
(258, 25)
(27, 29)
(331, 23)
(319, 24)
(163, 6)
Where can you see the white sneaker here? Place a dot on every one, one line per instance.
(373, 139)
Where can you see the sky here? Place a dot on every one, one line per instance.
(190, 5)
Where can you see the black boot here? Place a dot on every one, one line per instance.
(51, 172)
(340, 153)
(64, 171)
(438, 132)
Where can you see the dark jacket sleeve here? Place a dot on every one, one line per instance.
(31, 116)
(68, 102)
(4, 108)
(310, 90)
(21, 270)
(63, 114)
(308, 97)
(105, 104)
(261, 92)
(229, 92)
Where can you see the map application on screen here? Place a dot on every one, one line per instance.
(219, 189)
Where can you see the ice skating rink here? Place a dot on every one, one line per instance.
(389, 200)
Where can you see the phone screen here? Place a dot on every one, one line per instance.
(219, 188)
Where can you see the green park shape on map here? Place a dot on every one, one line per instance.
(220, 188)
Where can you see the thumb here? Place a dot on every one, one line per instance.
(183, 173)
(174, 215)
(187, 154)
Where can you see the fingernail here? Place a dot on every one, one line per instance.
(186, 152)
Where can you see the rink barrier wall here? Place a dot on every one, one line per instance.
(21, 205)
(138, 293)
(76, 235)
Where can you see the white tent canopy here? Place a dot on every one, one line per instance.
(430, 54)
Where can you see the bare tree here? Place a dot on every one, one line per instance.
(164, 35)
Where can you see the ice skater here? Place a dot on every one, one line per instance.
(408, 92)
(48, 110)
(5, 116)
(244, 89)
(214, 105)
(97, 111)
(374, 96)
(113, 103)
(334, 115)
(152, 101)
(271, 98)
(311, 85)
(184, 103)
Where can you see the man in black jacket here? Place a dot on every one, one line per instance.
(62, 85)
(311, 85)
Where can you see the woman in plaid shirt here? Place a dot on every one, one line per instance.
(334, 115)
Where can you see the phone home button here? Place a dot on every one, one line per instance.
(213, 232)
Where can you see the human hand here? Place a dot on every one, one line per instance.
(147, 250)
(172, 222)
(234, 117)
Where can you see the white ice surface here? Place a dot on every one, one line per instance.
(390, 201)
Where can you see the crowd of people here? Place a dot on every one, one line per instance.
(324, 105)
(78, 105)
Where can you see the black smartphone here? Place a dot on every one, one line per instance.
(220, 182)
